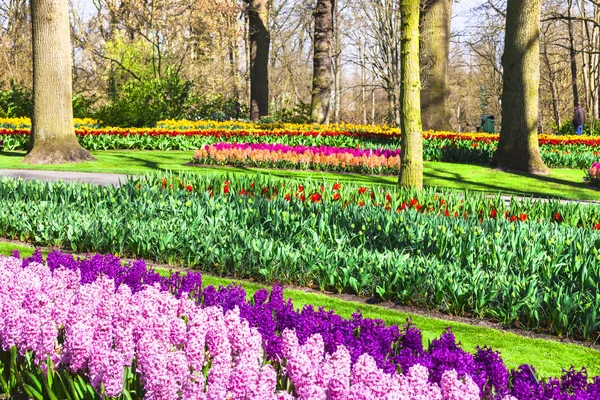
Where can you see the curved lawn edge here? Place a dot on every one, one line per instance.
(549, 357)
(560, 183)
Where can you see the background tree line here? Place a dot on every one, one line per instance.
(137, 61)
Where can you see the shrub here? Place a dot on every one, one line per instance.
(15, 101)
(144, 102)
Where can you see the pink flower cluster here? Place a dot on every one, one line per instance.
(182, 350)
(595, 170)
(317, 375)
(173, 341)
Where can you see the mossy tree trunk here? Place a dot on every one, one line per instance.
(518, 147)
(411, 170)
(53, 139)
(436, 17)
(260, 41)
(322, 69)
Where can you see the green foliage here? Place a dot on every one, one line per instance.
(144, 102)
(15, 101)
(218, 108)
(540, 274)
(19, 373)
(591, 127)
(300, 114)
(82, 105)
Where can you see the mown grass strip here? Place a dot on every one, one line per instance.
(560, 183)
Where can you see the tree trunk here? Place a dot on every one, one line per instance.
(260, 41)
(337, 64)
(572, 55)
(518, 147)
(363, 82)
(552, 82)
(53, 139)
(411, 169)
(247, 55)
(373, 107)
(322, 69)
(435, 49)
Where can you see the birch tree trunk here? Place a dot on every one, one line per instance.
(260, 41)
(322, 68)
(435, 50)
(518, 147)
(411, 169)
(53, 139)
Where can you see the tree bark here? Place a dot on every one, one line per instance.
(435, 50)
(572, 55)
(322, 68)
(552, 82)
(363, 82)
(260, 41)
(518, 147)
(337, 63)
(53, 139)
(411, 168)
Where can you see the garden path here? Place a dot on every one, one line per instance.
(84, 177)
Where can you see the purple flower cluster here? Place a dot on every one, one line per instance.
(388, 347)
(321, 150)
(182, 350)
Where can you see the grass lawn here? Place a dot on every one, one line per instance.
(561, 183)
(548, 357)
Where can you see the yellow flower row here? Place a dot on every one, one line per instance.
(232, 126)
(277, 127)
(25, 123)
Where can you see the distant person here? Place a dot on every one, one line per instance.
(578, 119)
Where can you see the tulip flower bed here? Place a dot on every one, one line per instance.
(81, 329)
(529, 264)
(593, 175)
(557, 151)
(322, 158)
(25, 123)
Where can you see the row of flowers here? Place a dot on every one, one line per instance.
(557, 152)
(81, 317)
(420, 258)
(20, 123)
(300, 157)
(288, 128)
(86, 128)
(25, 123)
(362, 196)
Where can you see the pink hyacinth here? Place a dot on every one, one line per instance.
(175, 343)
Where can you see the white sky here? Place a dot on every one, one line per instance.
(462, 12)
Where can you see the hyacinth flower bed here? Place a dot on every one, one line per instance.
(557, 151)
(96, 328)
(322, 158)
(534, 265)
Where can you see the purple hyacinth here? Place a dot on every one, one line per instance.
(388, 347)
